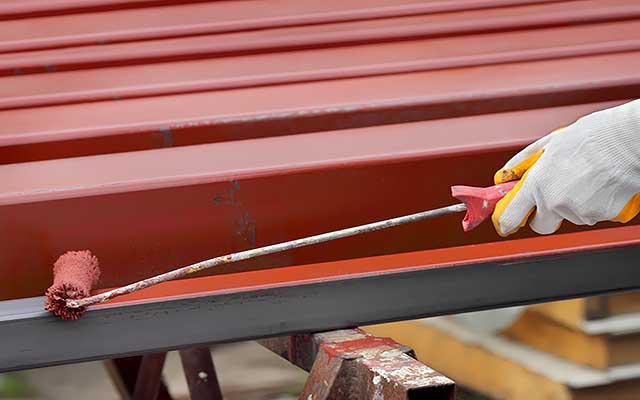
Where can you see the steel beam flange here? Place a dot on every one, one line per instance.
(352, 364)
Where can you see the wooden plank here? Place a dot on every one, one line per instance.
(570, 313)
(540, 332)
(503, 369)
(622, 303)
(472, 366)
(575, 313)
(629, 390)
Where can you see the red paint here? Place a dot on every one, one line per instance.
(148, 212)
(387, 29)
(225, 73)
(179, 19)
(35, 8)
(341, 348)
(505, 250)
(200, 78)
(102, 127)
(75, 273)
(277, 156)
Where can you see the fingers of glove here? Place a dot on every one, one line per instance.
(516, 171)
(518, 164)
(545, 222)
(513, 210)
(630, 210)
(530, 150)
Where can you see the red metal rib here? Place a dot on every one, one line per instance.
(31, 8)
(320, 64)
(552, 14)
(176, 20)
(102, 127)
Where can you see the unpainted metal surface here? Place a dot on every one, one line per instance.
(353, 364)
(255, 305)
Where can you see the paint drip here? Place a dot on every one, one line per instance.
(75, 273)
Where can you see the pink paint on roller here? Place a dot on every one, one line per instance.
(75, 273)
(480, 202)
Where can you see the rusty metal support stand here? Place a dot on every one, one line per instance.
(200, 373)
(149, 377)
(352, 364)
(140, 377)
(126, 375)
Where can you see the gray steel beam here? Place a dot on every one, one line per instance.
(32, 338)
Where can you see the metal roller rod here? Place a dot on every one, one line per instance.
(261, 251)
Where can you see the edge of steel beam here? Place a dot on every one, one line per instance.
(178, 29)
(189, 165)
(250, 80)
(225, 44)
(32, 338)
(25, 9)
(148, 130)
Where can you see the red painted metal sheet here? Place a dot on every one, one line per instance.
(193, 18)
(10, 9)
(320, 64)
(101, 127)
(520, 250)
(463, 22)
(214, 73)
(146, 212)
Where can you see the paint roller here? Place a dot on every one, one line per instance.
(76, 273)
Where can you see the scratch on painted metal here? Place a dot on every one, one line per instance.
(246, 229)
(167, 137)
(246, 226)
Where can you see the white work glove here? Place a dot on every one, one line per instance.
(585, 173)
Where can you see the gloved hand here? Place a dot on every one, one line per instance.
(585, 173)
